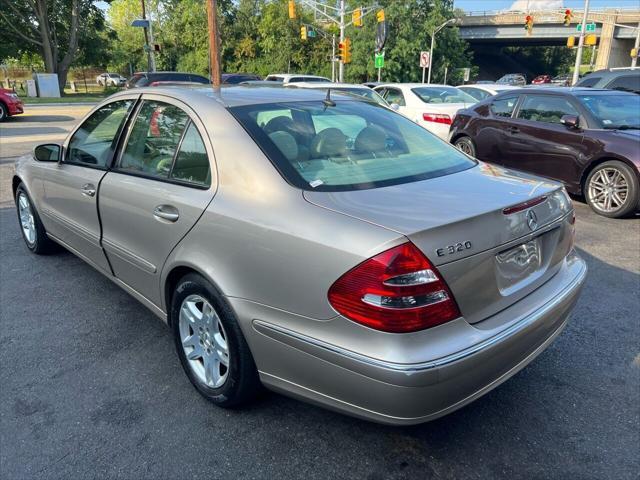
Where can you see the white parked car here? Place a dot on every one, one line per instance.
(286, 78)
(111, 80)
(485, 90)
(430, 106)
(353, 88)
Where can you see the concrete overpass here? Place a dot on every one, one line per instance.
(502, 29)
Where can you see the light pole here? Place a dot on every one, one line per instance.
(576, 70)
(634, 60)
(146, 24)
(433, 36)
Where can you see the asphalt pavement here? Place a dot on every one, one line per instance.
(90, 386)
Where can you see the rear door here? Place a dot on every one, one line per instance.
(539, 143)
(492, 131)
(69, 205)
(157, 190)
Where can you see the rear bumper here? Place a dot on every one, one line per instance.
(481, 357)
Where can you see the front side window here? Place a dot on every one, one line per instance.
(154, 139)
(192, 162)
(350, 146)
(95, 141)
(546, 109)
(503, 107)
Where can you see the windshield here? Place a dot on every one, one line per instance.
(347, 145)
(614, 111)
(443, 95)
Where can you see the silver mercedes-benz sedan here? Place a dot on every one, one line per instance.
(320, 245)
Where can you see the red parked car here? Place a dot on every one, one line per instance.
(540, 79)
(10, 104)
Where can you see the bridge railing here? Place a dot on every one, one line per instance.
(576, 13)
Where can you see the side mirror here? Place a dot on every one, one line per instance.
(395, 107)
(570, 121)
(48, 152)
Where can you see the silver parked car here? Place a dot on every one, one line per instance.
(322, 246)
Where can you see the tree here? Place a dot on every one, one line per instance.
(52, 27)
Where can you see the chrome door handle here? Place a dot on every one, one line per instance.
(166, 212)
(88, 189)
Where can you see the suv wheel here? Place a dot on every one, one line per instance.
(466, 145)
(611, 189)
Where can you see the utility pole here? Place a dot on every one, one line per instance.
(151, 59)
(342, 28)
(333, 57)
(634, 61)
(214, 51)
(576, 70)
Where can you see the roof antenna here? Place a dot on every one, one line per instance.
(327, 101)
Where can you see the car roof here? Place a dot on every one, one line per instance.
(236, 95)
(414, 85)
(567, 90)
(491, 86)
(288, 75)
(335, 85)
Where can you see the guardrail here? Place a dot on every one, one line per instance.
(576, 13)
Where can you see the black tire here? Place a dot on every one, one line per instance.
(631, 202)
(242, 383)
(41, 244)
(4, 113)
(466, 145)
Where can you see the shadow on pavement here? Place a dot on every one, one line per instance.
(41, 118)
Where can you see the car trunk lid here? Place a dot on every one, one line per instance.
(489, 257)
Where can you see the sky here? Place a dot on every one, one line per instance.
(479, 5)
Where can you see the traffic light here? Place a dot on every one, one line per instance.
(380, 16)
(634, 53)
(292, 9)
(303, 32)
(356, 17)
(571, 42)
(567, 17)
(156, 47)
(344, 51)
(528, 24)
(590, 40)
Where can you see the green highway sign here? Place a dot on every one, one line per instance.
(379, 60)
(590, 27)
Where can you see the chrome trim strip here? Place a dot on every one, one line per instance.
(128, 256)
(263, 327)
(73, 227)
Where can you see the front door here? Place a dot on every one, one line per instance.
(539, 143)
(158, 189)
(69, 204)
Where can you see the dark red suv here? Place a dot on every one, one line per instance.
(10, 104)
(586, 138)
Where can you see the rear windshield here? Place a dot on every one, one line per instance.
(443, 95)
(133, 81)
(347, 145)
(614, 110)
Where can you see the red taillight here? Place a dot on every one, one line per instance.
(396, 291)
(437, 118)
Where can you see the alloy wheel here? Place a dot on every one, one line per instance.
(204, 341)
(465, 147)
(27, 220)
(608, 189)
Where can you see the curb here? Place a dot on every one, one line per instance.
(70, 104)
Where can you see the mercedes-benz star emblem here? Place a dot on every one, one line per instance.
(532, 220)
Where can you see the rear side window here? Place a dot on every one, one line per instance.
(589, 82)
(395, 96)
(476, 93)
(629, 83)
(273, 78)
(545, 108)
(154, 139)
(350, 146)
(192, 163)
(503, 107)
(94, 142)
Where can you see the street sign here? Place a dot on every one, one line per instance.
(590, 27)
(379, 60)
(424, 59)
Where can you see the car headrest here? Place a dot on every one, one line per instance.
(330, 142)
(370, 139)
(281, 123)
(286, 144)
